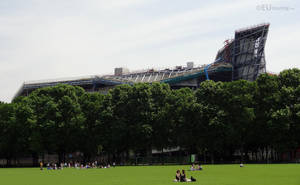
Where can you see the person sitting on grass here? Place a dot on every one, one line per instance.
(184, 179)
(193, 167)
(183, 176)
(199, 167)
(55, 166)
(48, 166)
(177, 176)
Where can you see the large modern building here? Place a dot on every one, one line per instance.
(241, 58)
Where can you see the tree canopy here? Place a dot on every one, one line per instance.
(217, 120)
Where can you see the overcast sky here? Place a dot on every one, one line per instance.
(45, 39)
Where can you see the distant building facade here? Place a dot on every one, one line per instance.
(241, 58)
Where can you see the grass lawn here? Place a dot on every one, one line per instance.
(275, 174)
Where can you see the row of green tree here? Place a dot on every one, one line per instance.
(218, 119)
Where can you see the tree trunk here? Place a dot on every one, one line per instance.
(35, 159)
(212, 158)
(8, 162)
(242, 154)
(127, 156)
(60, 157)
(162, 156)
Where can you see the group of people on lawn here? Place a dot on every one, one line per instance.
(181, 177)
(196, 167)
(77, 165)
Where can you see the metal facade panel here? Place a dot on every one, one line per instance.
(247, 52)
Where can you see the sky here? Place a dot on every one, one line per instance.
(49, 39)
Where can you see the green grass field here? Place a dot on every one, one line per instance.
(275, 174)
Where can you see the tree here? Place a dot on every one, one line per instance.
(25, 121)
(180, 105)
(161, 114)
(211, 125)
(117, 129)
(289, 78)
(139, 121)
(59, 117)
(287, 112)
(266, 98)
(7, 140)
(92, 130)
(240, 113)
